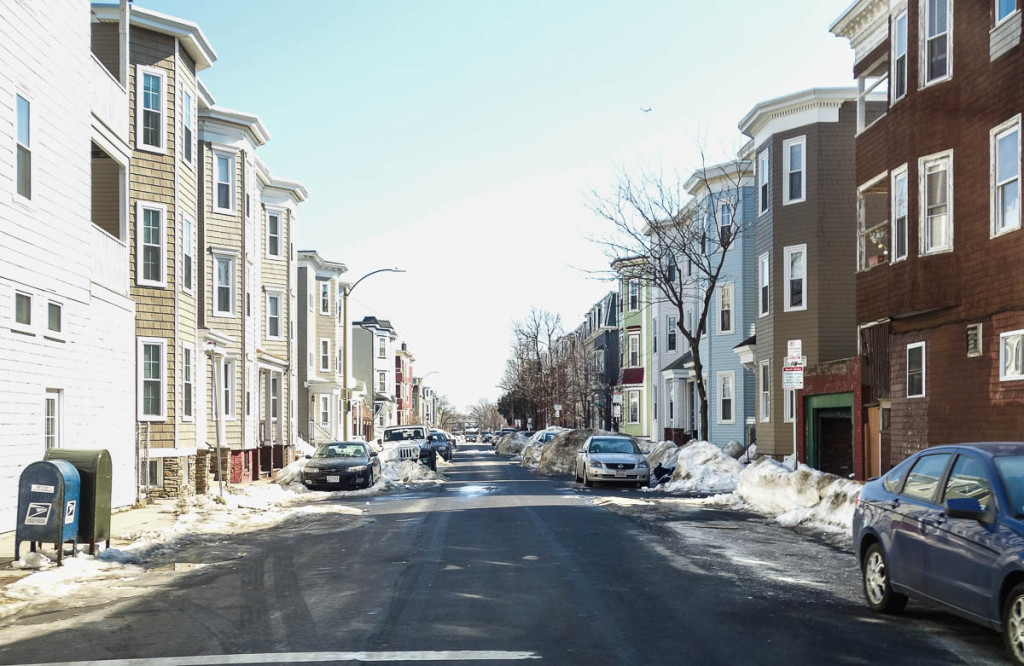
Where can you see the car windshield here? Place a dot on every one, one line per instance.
(1011, 471)
(341, 451)
(613, 445)
(403, 434)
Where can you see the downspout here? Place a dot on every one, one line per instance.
(177, 283)
(124, 42)
(244, 205)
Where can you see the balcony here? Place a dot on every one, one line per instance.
(109, 261)
(108, 100)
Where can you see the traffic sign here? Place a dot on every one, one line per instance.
(793, 377)
(794, 349)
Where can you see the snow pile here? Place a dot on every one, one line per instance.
(530, 457)
(409, 471)
(702, 467)
(558, 456)
(511, 444)
(303, 448)
(804, 497)
(663, 453)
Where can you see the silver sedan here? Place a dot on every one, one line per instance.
(611, 458)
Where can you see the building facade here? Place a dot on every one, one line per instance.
(631, 401)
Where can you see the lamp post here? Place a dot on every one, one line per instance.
(345, 327)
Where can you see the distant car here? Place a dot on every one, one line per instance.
(946, 525)
(611, 458)
(487, 437)
(501, 433)
(471, 437)
(341, 465)
(544, 436)
(441, 443)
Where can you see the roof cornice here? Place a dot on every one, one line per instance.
(296, 189)
(313, 258)
(247, 121)
(804, 100)
(865, 23)
(188, 33)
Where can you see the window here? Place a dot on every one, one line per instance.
(224, 286)
(725, 398)
(936, 47)
(325, 355)
(915, 370)
(654, 401)
(228, 387)
(654, 337)
(766, 386)
(599, 361)
(224, 185)
(23, 309)
(186, 125)
(23, 147)
(974, 340)
(763, 178)
(1011, 358)
(899, 214)
(672, 333)
(725, 294)
(923, 479)
(382, 346)
(670, 267)
(634, 350)
(793, 169)
(152, 375)
(149, 109)
(1005, 151)
(53, 320)
(936, 204)
(325, 298)
(763, 292)
(1004, 8)
(274, 235)
(789, 408)
(899, 57)
(634, 295)
(275, 396)
(188, 371)
(634, 406)
(382, 381)
(325, 409)
(968, 480)
(155, 469)
(51, 419)
(187, 253)
(725, 223)
(689, 320)
(151, 239)
(274, 316)
(796, 278)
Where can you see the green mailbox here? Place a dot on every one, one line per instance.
(94, 467)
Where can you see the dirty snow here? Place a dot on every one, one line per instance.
(510, 445)
(702, 467)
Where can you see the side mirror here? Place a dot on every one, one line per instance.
(379, 442)
(309, 457)
(581, 451)
(969, 508)
(373, 454)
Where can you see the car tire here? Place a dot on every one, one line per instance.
(576, 473)
(878, 590)
(1013, 623)
(586, 479)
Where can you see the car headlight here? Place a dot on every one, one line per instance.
(307, 468)
(642, 465)
(358, 468)
(596, 464)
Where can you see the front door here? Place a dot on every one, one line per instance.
(836, 445)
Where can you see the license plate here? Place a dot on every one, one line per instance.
(333, 479)
(619, 474)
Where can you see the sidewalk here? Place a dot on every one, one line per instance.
(159, 514)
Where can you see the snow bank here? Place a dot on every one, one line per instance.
(511, 444)
(702, 467)
(802, 497)
(663, 453)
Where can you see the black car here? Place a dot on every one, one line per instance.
(442, 445)
(341, 465)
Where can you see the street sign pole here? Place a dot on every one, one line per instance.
(793, 379)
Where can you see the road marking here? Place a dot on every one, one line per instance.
(308, 658)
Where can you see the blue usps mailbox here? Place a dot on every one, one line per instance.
(48, 495)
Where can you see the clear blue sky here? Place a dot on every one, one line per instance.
(457, 139)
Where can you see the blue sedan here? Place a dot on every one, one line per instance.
(947, 525)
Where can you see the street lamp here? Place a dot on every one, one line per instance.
(345, 324)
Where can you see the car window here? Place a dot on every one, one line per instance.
(924, 476)
(968, 480)
(1011, 471)
(616, 445)
(341, 451)
(895, 476)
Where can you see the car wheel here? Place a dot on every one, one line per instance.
(576, 473)
(877, 588)
(586, 479)
(1013, 623)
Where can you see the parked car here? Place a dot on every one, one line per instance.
(487, 437)
(501, 433)
(341, 465)
(946, 525)
(471, 437)
(412, 443)
(613, 458)
(442, 444)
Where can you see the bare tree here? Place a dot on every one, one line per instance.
(533, 377)
(485, 414)
(675, 237)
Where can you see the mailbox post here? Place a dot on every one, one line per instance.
(48, 494)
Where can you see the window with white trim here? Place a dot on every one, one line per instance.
(325, 354)
(23, 308)
(763, 286)
(187, 254)
(789, 406)
(54, 314)
(52, 419)
(725, 397)
(936, 204)
(725, 302)
(382, 381)
(151, 379)
(224, 182)
(795, 269)
(325, 298)
(794, 170)
(151, 243)
(766, 390)
(634, 295)
(763, 180)
(1011, 356)
(149, 109)
(634, 350)
(936, 51)
(672, 331)
(1004, 8)
(275, 396)
(274, 234)
(223, 286)
(1005, 169)
(23, 147)
(725, 221)
(382, 346)
(916, 370)
(899, 56)
(634, 407)
(325, 409)
(187, 118)
(228, 387)
(274, 315)
(188, 371)
(899, 214)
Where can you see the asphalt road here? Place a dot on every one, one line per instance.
(500, 566)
